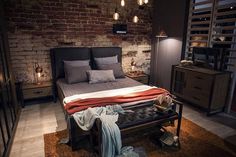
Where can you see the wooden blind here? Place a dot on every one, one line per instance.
(199, 24)
(223, 31)
(212, 23)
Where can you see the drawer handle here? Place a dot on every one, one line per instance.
(198, 88)
(198, 77)
(38, 92)
(196, 98)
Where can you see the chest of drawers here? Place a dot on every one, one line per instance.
(203, 87)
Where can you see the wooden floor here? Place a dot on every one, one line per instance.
(39, 119)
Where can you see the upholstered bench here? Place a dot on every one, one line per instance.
(144, 116)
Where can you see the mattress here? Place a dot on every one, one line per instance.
(85, 87)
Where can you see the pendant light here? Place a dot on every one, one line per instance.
(140, 2)
(116, 15)
(145, 1)
(135, 19)
(122, 3)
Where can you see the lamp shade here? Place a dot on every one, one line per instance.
(161, 34)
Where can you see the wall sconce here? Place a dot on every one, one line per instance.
(38, 71)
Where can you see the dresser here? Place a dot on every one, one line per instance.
(202, 87)
(33, 91)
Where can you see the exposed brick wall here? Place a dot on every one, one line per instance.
(34, 27)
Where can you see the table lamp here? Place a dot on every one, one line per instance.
(38, 71)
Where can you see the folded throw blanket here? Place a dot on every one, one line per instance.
(80, 103)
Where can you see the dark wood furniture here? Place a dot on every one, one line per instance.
(9, 108)
(139, 76)
(33, 91)
(200, 86)
(144, 117)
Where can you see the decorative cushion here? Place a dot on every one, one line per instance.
(106, 60)
(76, 74)
(99, 76)
(77, 62)
(117, 69)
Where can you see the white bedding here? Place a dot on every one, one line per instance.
(110, 93)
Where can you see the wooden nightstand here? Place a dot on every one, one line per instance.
(35, 91)
(139, 76)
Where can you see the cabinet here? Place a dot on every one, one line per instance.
(9, 109)
(200, 86)
(36, 91)
(139, 76)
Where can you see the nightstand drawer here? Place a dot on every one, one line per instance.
(37, 92)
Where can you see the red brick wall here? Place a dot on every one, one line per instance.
(36, 26)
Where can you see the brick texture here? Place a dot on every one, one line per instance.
(34, 27)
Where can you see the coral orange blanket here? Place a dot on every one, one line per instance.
(82, 104)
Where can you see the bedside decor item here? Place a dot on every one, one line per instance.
(133, 64)
(186, 63)
(38, 71)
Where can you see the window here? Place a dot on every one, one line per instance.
(212, 23)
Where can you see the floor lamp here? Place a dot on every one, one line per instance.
(160, 34)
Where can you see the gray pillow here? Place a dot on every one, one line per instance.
(99, 76)
(106, 60)
(117, 69)
(77, 62)
(76, 74)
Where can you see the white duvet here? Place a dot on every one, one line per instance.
(109, 93)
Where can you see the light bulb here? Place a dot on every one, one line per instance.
(135, 19)
(140, 2)
(122, 3)
(145, 1)
(39, 74)
(115, 16)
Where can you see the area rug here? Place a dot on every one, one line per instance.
(195, 142)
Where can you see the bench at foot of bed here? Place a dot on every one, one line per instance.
(143, 119)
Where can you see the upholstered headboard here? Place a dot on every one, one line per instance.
(58, 55)
(78, 53)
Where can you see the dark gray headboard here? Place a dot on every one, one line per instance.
(68, 53)
(78, 53)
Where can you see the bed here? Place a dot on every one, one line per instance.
(63, 90)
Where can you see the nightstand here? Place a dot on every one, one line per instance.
(139, 76)
(34, 91)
